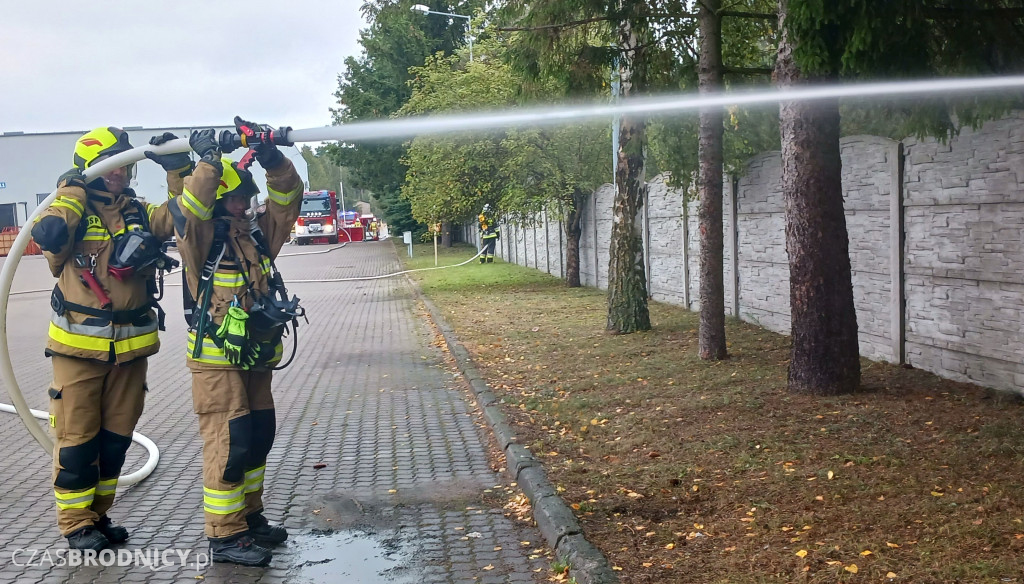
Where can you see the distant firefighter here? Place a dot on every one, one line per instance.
(489, 234)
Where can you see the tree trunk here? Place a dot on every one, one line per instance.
(446, 234)
(573, 234)
(711, 337)
(627, 280)
(825, 359)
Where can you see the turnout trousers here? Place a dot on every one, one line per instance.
(93, 411)
(489, 242)
(237, 424)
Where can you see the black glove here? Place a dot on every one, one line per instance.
(179, 161)
(204, 143)
(266, 154)
(72, 178)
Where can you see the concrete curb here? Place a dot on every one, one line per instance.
(554, 518)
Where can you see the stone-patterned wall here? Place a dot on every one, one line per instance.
(960, 309)
(964, 260)
(666, 282)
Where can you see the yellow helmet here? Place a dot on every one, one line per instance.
(100, 142)
(235, 181)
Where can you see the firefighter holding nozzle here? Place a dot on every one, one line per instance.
(237, 309)
(103, 245)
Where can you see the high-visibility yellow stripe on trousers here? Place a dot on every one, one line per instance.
(76, 500)
(106, 487)
(254, 479)
(223, 502)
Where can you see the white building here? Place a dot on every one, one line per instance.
(31, 163)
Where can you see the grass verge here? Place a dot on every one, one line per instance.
(682, 470)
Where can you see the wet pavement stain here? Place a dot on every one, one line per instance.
(352, 557)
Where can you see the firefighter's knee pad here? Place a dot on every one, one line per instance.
(240, 443)
(78, 466)
(112, 450)
(264, 425)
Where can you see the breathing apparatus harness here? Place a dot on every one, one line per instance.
(269, 316)
(134, 250)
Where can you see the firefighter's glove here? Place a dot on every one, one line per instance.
(235, 336)
(179, 162)
(266, 154)
(204, 143)
(72, 178)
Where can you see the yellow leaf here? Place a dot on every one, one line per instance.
(489, 567)
(852, 568)
(890, 574)
(647, 564)
(819, 498)
(866, 553)
(802, 553)
(831, 475)
(892, 545)
(938, 494)
(670, 546)
(834, 563)
(616, 568)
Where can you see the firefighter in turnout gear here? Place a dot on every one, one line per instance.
(103, 245)
(232, 345)
(489, 234)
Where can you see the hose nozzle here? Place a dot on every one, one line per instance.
(230, 141)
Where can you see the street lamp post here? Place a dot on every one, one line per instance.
(469, 36)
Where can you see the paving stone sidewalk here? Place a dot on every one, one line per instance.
(404, 493)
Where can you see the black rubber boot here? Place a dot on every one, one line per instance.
(490, 260)
(239, 549)
(112, 531)
(482, 260)
(87, 538)
(263, 532)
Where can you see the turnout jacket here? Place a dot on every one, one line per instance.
(81, 224)
(194, 223)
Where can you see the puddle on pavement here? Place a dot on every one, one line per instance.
(351, 557)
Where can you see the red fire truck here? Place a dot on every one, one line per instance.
(318, 218)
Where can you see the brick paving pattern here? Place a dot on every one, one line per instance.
(403, 493)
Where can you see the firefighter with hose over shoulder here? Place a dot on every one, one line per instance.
(237, 309)
(103, 245)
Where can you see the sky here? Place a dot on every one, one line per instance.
(74, 66)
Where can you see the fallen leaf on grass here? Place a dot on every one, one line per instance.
(670, 546)
(488, 567)
(866, 553)
(892, 545)
(802, 553)
(852, 568)
(890, 574)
